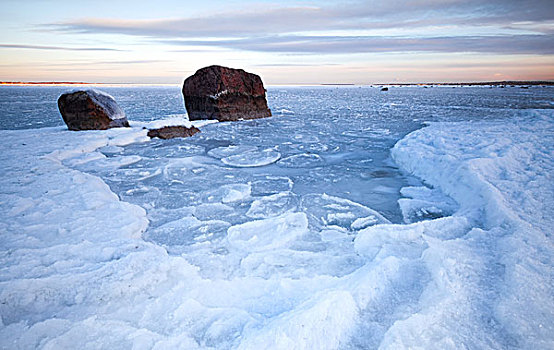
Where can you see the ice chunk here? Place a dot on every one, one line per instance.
(102, 164)
(84, 158)
(304, 160)
(188, 230)
(253, 158)
(235, 193)
(361, 223)
(425, 204)
(268, 234)
(407, 240)
(223, 152)
(271, 185)
(212, 211)
(111, 150)
(284, 111)
(273, 205)
(176, 148)
(324, 210)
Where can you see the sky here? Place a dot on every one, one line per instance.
(285, 41)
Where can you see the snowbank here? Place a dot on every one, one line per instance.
(498, 277)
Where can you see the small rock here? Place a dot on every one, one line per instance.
(225, 94)
(169, 132)
(385, 89)
(90, 110)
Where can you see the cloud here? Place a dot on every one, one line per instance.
(505, 44)
(45, 47)
(359, 15)
(286, 29)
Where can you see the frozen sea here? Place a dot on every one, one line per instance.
(352, 219)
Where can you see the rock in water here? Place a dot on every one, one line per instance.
(224, 94)
(91, 110)
(169, 132)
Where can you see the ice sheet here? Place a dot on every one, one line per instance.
(249, 260)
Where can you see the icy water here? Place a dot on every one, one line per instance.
(332, 140)
(321, 140)
(277, 228)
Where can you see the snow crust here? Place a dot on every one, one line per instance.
(500, 174)
(82, 267)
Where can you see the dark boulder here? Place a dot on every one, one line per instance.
(90, 110)
(385, 89)
(169, 132)
(225, 94)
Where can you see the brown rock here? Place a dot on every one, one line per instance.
(225, 94)
(169, 132)
(90, 110)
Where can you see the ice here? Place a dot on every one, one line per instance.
(104, 99)
(495, 171)
(305, 160)
(424, 204)
(172, 149)
(271, 185)
(361, 223)
(112, 240)
(254, 158)
(223, 152)
(326, 210)
(188, 230)
(273, 205)
(309, 327)
(229, 193)
(111, 150)
(212, 211)
(269, 233)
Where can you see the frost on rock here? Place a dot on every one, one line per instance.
(90, 110)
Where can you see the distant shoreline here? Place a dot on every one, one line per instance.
(495, 83)
(501, 83)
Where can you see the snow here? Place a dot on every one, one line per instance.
(424, 203)
(500, 174)
(269, 233)
(255, 261)
(219, 94)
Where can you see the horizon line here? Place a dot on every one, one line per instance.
(495, 82)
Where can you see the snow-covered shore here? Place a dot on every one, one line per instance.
(75, 272)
